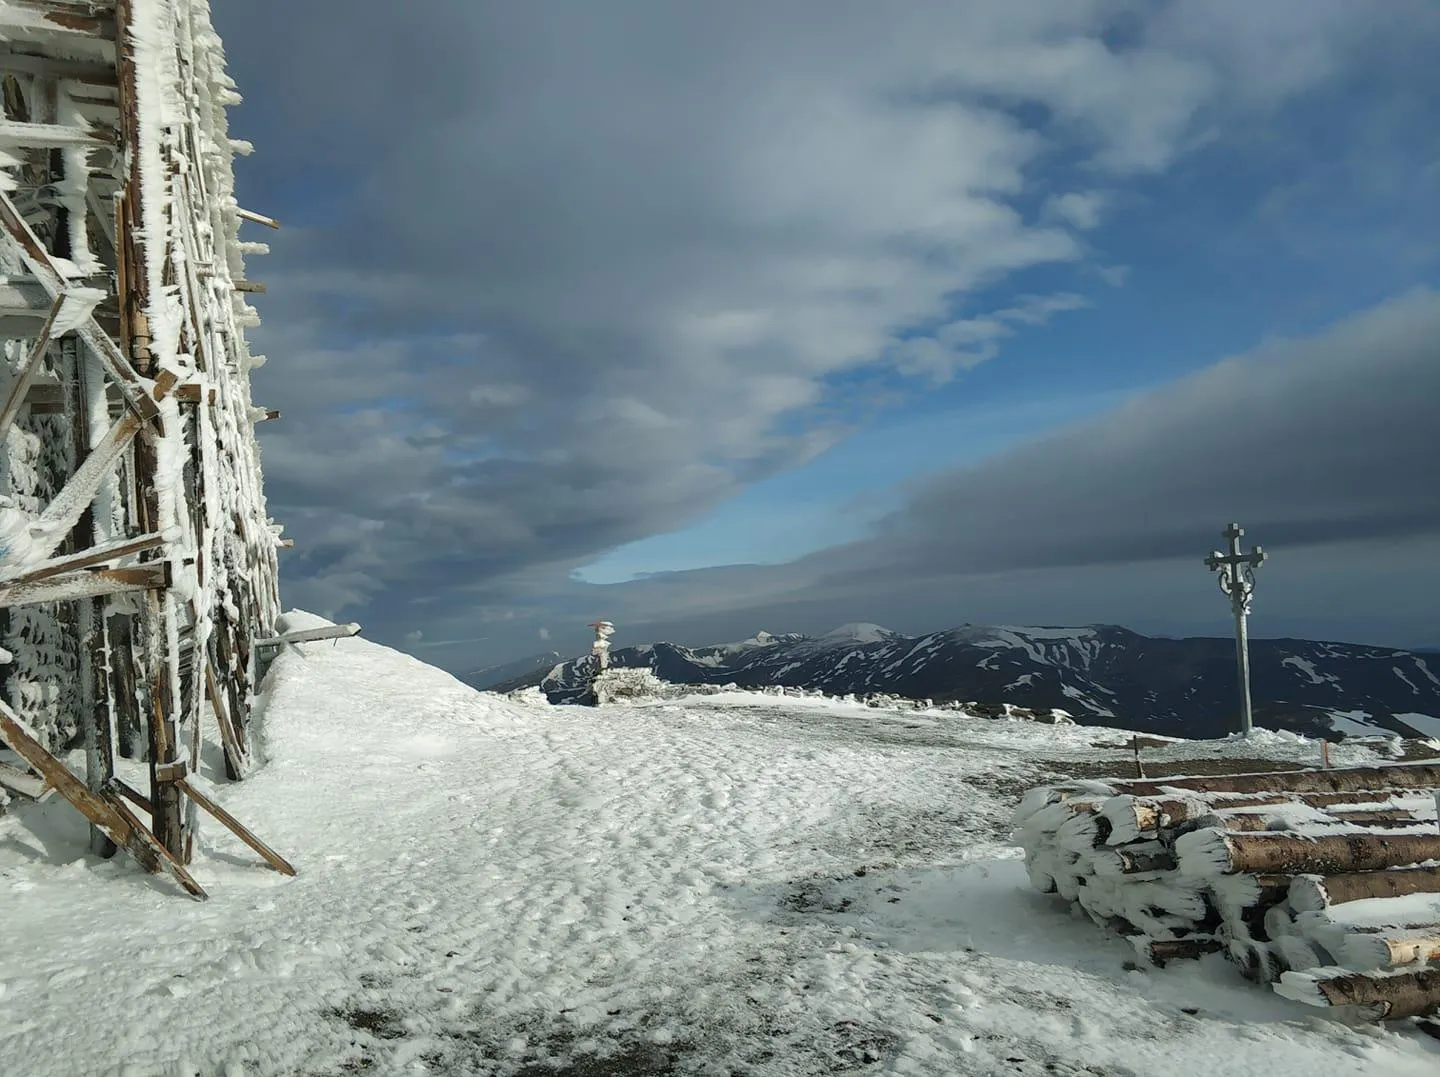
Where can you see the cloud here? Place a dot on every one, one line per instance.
(544, 633)
(1323, 447)
(567, 275)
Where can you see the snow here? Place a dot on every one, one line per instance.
(1353, 723)
(1427, 725)
(860, 632)
(1307, 668)
(733, 883)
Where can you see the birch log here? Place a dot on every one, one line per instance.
(1406, 994)
(1207, 853)
(1311, 893)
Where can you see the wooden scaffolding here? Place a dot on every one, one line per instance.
(137, 562)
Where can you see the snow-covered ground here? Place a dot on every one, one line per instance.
(731, 884)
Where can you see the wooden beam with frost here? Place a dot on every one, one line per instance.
(52, 136)
(24, 783)
(269, 855)
(16, 231)
(96, 555)
(25, 63)
(78, 17)
(87, 583)
(258, 218)
(28, 369)
(103, 810)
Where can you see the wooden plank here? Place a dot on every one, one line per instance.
(88, 583)
(28, 369)
(59, 17)
(254, 287)
(25, 63)
(155, 850)
(116, 821)
(67, 506)
(86, 558)
(310, 635)
(271, 857)
(237, 761)
(18, 234)
(52, 136)
(258, 218)
(130, 793)
(26, 784)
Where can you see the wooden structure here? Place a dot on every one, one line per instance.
(1321, 882)
(137, 563)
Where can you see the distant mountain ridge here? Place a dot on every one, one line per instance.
(1101, 674)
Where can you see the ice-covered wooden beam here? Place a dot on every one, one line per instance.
(59, 17)
(258, 218)
(26, 63)
(87, 583)
(51, 136)
(20, 385)
(104, 812)
(310, 635)
(16, 233)
(26, 784)
(96, 555)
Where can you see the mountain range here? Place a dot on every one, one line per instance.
(1101, 674)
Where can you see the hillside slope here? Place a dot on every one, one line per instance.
(736, 884)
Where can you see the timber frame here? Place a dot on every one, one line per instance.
(140, 565)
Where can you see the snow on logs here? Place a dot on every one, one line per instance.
(1324, 883)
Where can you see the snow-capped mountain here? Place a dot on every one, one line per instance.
(488, 676)
(1100, 674)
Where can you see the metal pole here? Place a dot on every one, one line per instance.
(1242, 665)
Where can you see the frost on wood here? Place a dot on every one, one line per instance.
(1321, 882)
(136, 553)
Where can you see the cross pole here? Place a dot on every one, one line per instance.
(1237, 580)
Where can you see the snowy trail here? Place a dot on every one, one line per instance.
(718, 885)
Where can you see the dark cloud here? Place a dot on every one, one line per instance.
(563, 275)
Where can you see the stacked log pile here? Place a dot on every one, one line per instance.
(1323, 883)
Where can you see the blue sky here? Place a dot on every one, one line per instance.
(581, 307)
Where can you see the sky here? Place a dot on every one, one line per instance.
(776, 315)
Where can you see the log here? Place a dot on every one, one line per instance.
(1346, 780)
(1299, 953)
(1278, 922)
(1135, 860)
(1311, 893)
(1082, 832)
(1159, 951)
(1379, 914)
(1390, 997)
(1207, 853)
(1235, 893)
(1132, 817)
(1366, 950)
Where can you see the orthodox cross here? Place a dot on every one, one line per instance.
(1237, 580)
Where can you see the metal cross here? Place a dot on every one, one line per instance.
(1237, 580)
